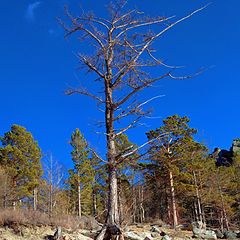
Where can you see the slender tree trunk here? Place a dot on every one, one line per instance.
(94, 202)
(79, 201)
(224, 213)
(134, 204)
(195, 211)
(35, 200)
(142, 211)
(200, 215)
(50, 200)
(174, 207)
(79, 197)
(14, 205)
(120, 202)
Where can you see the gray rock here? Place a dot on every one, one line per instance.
(210, 234)
(155, 229)
(132, 236)
(146, 235)
(219, 234)
(155, 235)
(230, 235)
(89, 223)
(199, 231)
(166, 237)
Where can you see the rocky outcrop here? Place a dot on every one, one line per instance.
(225, 157)
(200, 231)
(236, 146)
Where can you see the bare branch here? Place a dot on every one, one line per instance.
(123, 157)
(128, 127)
(144, 24)
(84, 92)
(131, 63)
(149, 100)
(187, 76)
(90, 65)
(78, 27)
(98, 157)
(137, 89)
(96, 20)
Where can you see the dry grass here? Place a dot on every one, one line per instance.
(10, 217)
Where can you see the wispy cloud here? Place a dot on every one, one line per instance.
(30, 12)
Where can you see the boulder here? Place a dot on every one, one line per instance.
(89, 223)
(155, 235)
(155, 229)
(219, 234)
(230, 235)
(132, 236)
(166, 237)
(210, 234)
(199, 231)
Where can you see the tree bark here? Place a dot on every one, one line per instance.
(94, 202)
(199, 207)
(173, 199)
(35, 200)
(79, 201)
(142, 211)
(112, 225)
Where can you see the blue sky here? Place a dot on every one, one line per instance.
(37, 64)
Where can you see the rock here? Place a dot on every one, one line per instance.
(230, 235)
(199, 231)
(155, 229)
(210, 234)
(132, 236)
(166, 237)
(146, 236)
(219, 234)
(155, 235)
(89, 223)
(57, 235)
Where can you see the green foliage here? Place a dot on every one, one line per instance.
(85, 172)
(20, 157)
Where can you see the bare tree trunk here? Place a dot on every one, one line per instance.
(224, 214)
(112, 226)
(134, 205)
(50, 211)
(200, 215)
(195, 211)
(121, 213)
(35, 200)
(94, 203)
(142, 211)
(79, 201)
(174, 207)
(14, 205)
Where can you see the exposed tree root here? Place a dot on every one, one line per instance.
(110, 232)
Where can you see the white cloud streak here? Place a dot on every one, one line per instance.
(30, 12)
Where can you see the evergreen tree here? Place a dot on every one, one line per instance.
(20, 157)
(169, 149)
(82, 178)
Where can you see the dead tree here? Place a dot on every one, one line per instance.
(120, 57)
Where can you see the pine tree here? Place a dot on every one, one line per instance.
(82, 178)
(20, 157)
(169, 149)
